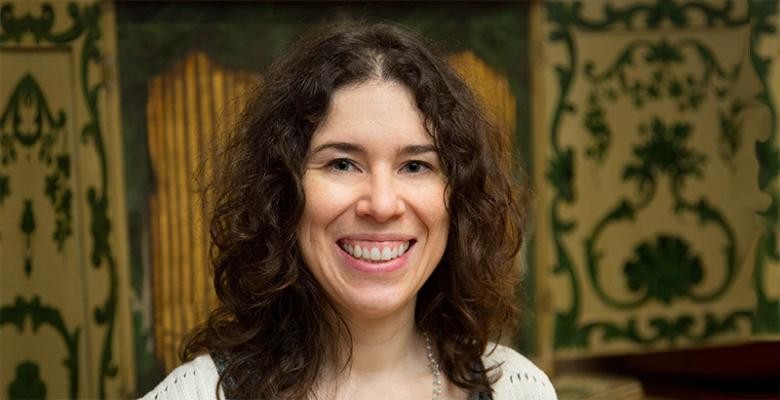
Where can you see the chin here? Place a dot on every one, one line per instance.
(376, 305)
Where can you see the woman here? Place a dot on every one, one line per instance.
(364, 231)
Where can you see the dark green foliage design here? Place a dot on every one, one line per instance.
(27, 384)
(60, 197)
(561, 173)
(85, 25)
(662, 154)
(27, 226)
(664, 269)
(5, 187)
(768, 311)
(26, 95)
(668, 80)
(41, 315)
(46, 133)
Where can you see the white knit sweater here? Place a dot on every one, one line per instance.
(520, 379)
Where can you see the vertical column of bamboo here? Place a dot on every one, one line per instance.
(186, 107)
(492, 89)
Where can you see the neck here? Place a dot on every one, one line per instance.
(388, 354)
(384, 344)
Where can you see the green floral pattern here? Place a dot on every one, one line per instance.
(27, 384)
(84, 34)
(665, 269)
(665, 152)
(48, 128)
(651, 71)
(40, 315)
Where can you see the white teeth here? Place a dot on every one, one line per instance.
(374, 254)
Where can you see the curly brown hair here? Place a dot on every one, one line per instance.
(274, 326)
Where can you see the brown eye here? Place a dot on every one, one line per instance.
(415, 167)
(342, 165)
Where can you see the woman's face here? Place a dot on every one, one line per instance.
(375, 222)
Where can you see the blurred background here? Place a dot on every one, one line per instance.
(648, 130)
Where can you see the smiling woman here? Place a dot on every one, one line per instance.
(364, 233)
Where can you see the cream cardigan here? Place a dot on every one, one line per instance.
(520, 379)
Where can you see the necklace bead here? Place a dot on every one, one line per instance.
(435, 370)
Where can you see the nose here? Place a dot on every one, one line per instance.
(381, 201)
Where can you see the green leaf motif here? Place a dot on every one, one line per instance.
(663, 52)
(768, 157)
(101, 228)
(60, 196)
(665, 269)
(27, 384)
(52, 186)
(27, 226)
(561, 174)
(5, 188)
(27, 99)
(730, 127)
(664, 152)
(596, 124)
(41, 314)
(567, 332)
(27, 119)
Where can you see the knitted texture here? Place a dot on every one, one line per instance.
(520, 379)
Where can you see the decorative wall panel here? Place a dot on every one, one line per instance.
(658, 146)
(63, 311)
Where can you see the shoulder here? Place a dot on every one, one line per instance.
(519, 378)
(196, 380)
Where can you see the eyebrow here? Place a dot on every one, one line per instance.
(411, 150)
(340, 146)
(416, 149)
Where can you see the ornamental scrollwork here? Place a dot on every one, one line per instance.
(662, 152)
(44, 315)
(84, 31)
(26, 120)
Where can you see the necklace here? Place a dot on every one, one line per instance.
(434, 367)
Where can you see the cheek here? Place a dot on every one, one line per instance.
(432, 208)
(325, 201)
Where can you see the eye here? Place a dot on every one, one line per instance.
(342, 165)
(416, 167)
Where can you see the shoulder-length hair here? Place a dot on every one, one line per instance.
(274, 325)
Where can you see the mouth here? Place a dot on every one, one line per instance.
(375, 251)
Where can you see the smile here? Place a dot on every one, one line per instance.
(375, 251)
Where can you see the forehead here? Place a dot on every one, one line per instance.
(375, 111)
